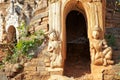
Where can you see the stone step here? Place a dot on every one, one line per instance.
(41, 77)
(35, 60)
(3, 76)
(40, 68)
(30, 68)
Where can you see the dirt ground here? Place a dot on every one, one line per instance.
(77, 68)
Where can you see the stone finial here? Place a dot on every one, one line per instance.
(11, 8)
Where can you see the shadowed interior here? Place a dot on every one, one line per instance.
(77, 61)
(11, 35)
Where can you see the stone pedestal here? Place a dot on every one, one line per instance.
(55, 71)
(97, 71)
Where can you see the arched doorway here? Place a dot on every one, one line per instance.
(77, 61)
(11, 34)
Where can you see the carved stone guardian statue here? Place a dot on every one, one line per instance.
(101, 54)
(54, 50)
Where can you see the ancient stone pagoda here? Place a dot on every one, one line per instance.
(76, 31)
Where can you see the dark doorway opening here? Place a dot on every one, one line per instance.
(11, 35)
(77, 61)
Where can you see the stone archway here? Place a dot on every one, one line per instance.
(76, 11)
(77, 54)
(11, 34)
(93, 12)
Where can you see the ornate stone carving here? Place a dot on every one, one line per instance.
(4, 35)
(12, 6)
(101, 54)
(54, 50)
(1, 25)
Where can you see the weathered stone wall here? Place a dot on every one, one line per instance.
(115, 33)
(40, 17)
(113, 28)
(40, 21)
(15, 12)
(113, 74)
(112, 16)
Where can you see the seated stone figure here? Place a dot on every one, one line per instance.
(54, 50)
(101, 54)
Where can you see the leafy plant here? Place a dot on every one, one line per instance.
(115, 5)
(110, 39)
(25, 47)
(22, 29)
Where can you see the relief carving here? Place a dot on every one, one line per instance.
(1, 25)
(101, 53)
(4, 35)
(1, 18)
(54, 48)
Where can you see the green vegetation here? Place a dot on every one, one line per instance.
(115, 4)
(22, 29)
(110, 39)
(25, 47)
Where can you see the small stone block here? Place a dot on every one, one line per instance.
(30, 68)
(55, 71)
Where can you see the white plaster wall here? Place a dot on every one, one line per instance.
(12, 20)
(1, 1)
(1, 30)
(54, 17)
